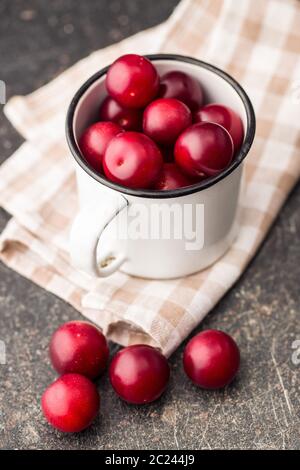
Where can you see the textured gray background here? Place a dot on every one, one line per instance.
(261, 408)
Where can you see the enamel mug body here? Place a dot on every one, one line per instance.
(147, 233)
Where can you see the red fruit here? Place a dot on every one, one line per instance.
(129, 119)
(224, 116)
(94, 141)
(165, 119)
(132, 80)
(133, 160)
(203, 148)
(139, 374)
(211, 359)
(71, 403)
(183, 87)
(79, 347)
(171, 178)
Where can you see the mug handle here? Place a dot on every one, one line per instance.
(85, 234)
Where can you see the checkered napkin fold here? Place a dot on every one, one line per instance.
(259, 45)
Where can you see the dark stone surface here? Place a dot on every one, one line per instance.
(261, 408)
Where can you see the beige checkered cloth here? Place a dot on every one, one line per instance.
(259, 44)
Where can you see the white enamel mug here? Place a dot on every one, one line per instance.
(148, 233)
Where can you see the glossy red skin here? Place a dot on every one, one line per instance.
(129, 119)
(139, 374)
(171, 178)
(224, 116)
(95, 140)
(133, 160)
(132, 80)
(164, 119)
(71, 403)
(79, 347)
(204, 148)
(211, 359)
(179, 85)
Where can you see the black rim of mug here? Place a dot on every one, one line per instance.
(151, 193)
